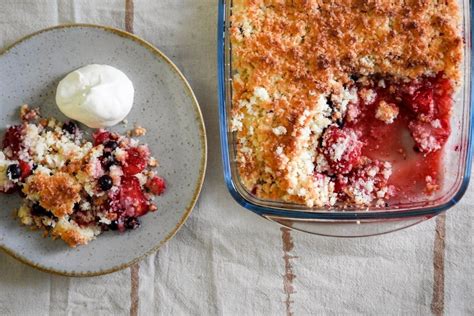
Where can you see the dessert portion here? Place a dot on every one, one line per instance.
(75, 189)
(95, 95)
(346, 102)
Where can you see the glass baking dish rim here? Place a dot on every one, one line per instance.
(336, 215)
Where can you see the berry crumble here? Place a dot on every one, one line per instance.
(345, 102)
(75, 189)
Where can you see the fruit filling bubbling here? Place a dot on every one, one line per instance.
(404, 124)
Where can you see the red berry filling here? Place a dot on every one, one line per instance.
(25, 169)
(341, 148)
(156, 185)
(100, 137)
(132, 199)
(12, 142)
(136, 161)
(431, 104)
(424, 109)
(374, 130)
(421, 102)
(429, 136)
(368, 182)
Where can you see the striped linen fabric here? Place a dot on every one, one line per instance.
(235, 263)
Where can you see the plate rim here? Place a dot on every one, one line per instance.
(203, 140)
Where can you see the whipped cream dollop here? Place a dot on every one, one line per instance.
(95, 95)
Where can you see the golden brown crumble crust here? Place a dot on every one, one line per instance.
(73, 237)
(56, 193)
(314, 41)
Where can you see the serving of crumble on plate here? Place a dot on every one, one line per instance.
(343, 103)
(74, 183)
(75, 189)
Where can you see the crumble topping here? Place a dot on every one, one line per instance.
(305, 68)
(387, 112)
(137, 131)
(57, 193)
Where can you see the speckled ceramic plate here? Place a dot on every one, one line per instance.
(164, 103)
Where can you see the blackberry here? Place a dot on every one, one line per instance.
(109, 161)
(14, 171)
(113, 225)
(111, 144)
(132, 223)
(70, 127)
(38, 210)
(105, 182)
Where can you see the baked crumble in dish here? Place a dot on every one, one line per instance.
(343, 103)
(75, 189)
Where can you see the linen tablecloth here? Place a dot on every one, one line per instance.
(225, 260)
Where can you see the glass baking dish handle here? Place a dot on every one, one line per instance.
(339, 228)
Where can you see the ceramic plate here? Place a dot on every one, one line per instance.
(164, 104)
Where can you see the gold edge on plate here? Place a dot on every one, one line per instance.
(203, 139)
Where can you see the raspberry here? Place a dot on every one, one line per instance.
(422, 102)
(442, 86)
(100, 137)
(137, 159)
(341, 148)
(340, 183)
(13, 141)
(442, 95)
(156, 185)
(131, 197)
(431, 101)
(429, 136)
(25, 169)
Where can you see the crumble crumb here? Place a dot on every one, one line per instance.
(152, 162)
(431, 185)
(387, 112)
(368, 95)
(27, 114)
(280, 130)
(137, 131)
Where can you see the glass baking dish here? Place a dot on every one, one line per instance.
(352, 222)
